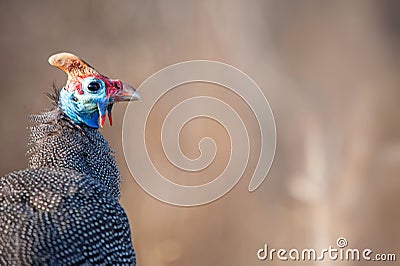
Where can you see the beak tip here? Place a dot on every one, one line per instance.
(136, 96)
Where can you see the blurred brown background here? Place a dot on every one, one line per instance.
(330, 70)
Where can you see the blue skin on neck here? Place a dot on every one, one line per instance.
(87, 107)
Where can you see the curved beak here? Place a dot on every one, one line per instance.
(127, 93)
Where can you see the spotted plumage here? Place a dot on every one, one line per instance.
(63, 209)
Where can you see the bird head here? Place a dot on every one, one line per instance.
(88, 95)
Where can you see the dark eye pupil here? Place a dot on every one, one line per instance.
(93, 86)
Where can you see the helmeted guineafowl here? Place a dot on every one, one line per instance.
(63, 209)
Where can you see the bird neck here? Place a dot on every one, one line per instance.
(57, 142)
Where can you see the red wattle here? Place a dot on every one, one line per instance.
(102, 120)
(110, 118)
(109, 109)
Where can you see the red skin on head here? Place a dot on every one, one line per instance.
(112, 85)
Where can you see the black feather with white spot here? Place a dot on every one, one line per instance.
(63, 209)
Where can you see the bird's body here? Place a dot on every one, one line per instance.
(63, 209)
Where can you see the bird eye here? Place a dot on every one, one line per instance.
(93, 86)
